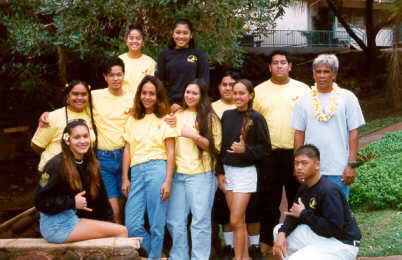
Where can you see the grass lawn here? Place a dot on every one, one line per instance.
(378, 124)
(381, 232)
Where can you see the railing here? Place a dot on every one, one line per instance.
(338, 28)
(297, 38)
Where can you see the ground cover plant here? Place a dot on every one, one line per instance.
(378, 124)
(376, 196)
(378, 177)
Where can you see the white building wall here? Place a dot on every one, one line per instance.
(295, 18)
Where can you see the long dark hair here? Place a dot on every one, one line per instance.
(247, 116)
(68, 169)
(162, 106)
(191, 44)
(205, 119)
(69, 87)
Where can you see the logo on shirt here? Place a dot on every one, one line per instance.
(159, 126)
(313, 203)
(145, 71)
(296, 98)
(44, 179)
(192, 58)
(127, 112)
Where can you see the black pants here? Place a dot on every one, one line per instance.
(276, 172)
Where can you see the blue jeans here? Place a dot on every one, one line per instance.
(195, 193)
(337, 179)
(111, 171)
(146, 182)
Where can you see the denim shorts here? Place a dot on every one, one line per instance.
(57, 228)
(111, 171)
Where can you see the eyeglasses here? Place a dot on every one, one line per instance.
(76, 120)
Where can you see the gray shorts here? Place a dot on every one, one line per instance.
(57, 228)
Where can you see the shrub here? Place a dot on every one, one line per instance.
(378, 181)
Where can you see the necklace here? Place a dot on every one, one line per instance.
(330, 108)
(79, 162)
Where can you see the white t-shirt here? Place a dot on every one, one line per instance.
(330, 137)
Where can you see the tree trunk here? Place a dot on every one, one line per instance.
(371, 35)
(62, 65)
(346, 26)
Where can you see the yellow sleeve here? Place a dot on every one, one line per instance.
(217, 132)
(43, 136)
(127, 129)
(152, 68)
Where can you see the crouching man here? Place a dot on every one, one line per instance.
(320, 224)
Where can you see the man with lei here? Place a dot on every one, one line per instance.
(329, 118)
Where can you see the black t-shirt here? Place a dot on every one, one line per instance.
(53, 195)
(257, 142)
(327, 212)
(176, 67)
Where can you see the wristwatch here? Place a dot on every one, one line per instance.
(352, 164)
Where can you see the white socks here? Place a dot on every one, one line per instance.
(228, 237)
(254, 240)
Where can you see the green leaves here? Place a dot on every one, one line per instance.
(378, 182)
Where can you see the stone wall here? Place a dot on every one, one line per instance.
(102, 248)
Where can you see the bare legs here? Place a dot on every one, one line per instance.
(118, 209)
(90, 229)
(237, 203)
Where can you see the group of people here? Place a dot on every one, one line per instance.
(150, 149)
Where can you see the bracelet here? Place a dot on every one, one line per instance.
(196, 140)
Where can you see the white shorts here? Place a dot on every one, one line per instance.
(241, 179)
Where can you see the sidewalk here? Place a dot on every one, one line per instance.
(363, 142)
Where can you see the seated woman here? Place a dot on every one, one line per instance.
(71, 196)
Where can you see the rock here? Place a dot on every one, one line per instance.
(132, 256)
(95, 256)
(4, 255)
(21, 225)
(70, 255)
(34, 256)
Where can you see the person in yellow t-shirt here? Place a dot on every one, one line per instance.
(111, 112)
(225, 90)
(137, 64)
(193, 188)
(275, 99)
(149, 154)
(46, 141)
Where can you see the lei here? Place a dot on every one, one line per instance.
(330, 108)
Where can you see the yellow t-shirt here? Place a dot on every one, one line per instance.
(136, 70)
(146, 137)
(49, 138)
(221, 107)
(111, 114)
(275, 103)
(186, 151)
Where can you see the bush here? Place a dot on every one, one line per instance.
(377, 184)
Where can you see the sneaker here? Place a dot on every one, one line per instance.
(254, 252)
(227, 253)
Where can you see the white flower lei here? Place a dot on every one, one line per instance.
(330, 108)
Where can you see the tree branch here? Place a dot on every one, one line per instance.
(346, 26)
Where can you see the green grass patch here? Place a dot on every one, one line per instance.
(378, 124)
(381, 232)
(378, 178)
